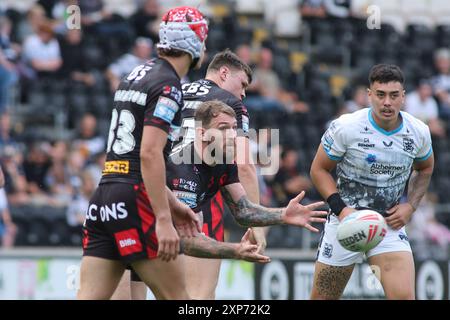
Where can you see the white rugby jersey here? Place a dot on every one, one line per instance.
(374, 164)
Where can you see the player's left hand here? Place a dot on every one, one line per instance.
(299, 215)
(186, 221)
(248, 251)
(258, 237)
(399, 215)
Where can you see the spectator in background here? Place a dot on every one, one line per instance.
(59, 185)
(76, 211)
(421, 104)
(142, 51)
(359, 101)
(267, 84)
(337, 8)
(146, 20)
(8, 229)
(424, 226)
(12, 161)
(97, 19)
(36, 166)
(441, 81)
(42, 53)
(15, 181)
(58, 178)
(35, 18)
(8, 56)
(289, 181)
(88, 142)
(313, 9)
(244, 52)
(74, 66)
(95, 168)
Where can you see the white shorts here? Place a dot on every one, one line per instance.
(332, 253)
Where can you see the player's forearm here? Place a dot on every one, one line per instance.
(418, 185)
(203, 247)
(154, 176)
(249, 180)
(249, 214)
(323, 181)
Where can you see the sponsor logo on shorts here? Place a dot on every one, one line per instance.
(128, 242)
(327, 250)
(403, 236)
(120, 167)
(116, 211)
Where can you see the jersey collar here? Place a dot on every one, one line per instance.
(385, 132)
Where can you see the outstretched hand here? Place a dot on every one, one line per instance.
(248, 251)
(299, 215)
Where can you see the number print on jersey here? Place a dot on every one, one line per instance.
(122, 141)
(138, 73)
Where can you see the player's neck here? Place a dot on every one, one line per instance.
(212, 77)
(180, 64)
(388, 125)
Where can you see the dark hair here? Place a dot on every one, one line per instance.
(170, 52)
(211, 109)
(384, 73)
(231, 60)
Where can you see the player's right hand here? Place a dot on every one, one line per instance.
(186, 221)
(345, 212)
(248, 251)
(168, 239)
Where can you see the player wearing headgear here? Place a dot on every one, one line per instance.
(374, 150)
(129, 220)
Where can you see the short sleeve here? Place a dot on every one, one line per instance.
(242, 118)
(231, 176)
(161, 111)
(425, 147)
(334, 141)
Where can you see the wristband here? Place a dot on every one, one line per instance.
(336, 203)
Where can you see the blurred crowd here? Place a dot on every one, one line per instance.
(38, 52)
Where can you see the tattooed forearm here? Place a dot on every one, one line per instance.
(203, 247)
(249, 214)
(418, 185)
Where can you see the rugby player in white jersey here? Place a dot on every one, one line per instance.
(373, 151)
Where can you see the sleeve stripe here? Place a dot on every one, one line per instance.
(426, 156)
(334, 158)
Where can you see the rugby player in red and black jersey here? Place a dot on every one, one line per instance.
(129, 220)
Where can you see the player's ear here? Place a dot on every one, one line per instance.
(224, 71)
(200, 133)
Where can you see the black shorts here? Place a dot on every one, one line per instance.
(120, 224)
(213, 212)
